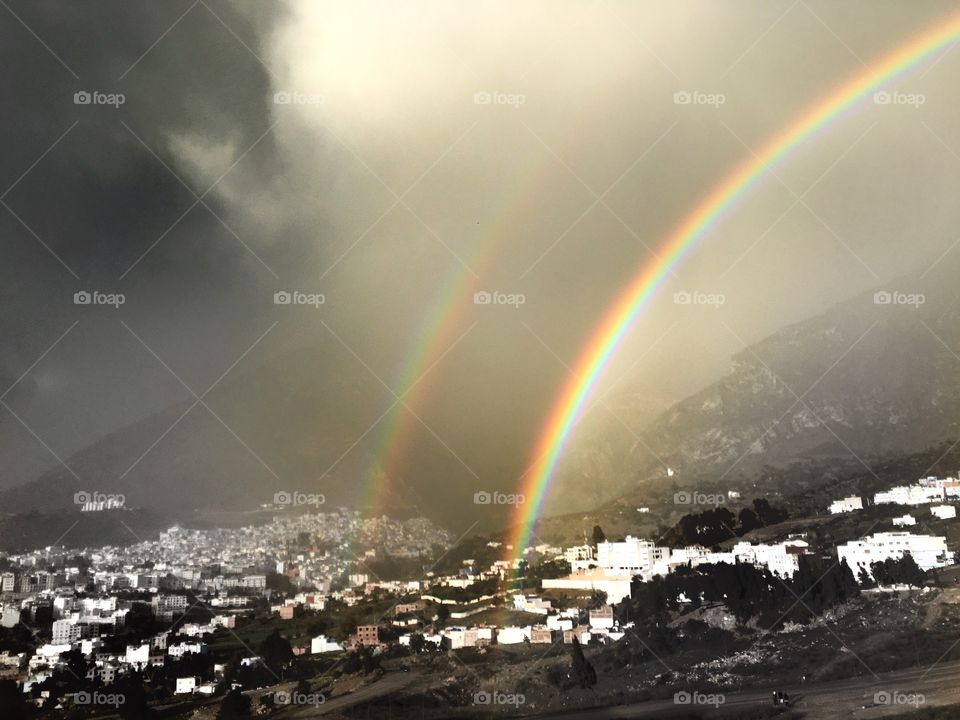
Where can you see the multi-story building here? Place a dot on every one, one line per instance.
(927, 551)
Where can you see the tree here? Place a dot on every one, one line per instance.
(276, 651)
(235, 705)
(598, 535)
(417, 643)
(581, 669)
(748, 521)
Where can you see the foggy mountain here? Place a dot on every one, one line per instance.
(872, 380)
(862, 380)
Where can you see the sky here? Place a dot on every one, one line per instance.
(397, 159)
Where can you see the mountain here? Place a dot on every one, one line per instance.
(865, 380)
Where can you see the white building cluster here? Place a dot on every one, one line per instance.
(928, 551)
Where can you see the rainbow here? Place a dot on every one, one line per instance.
(711, 210)
(438, 330)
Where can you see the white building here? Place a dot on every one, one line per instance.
(927, 551)
(944, 512)
(632, 556)
(910, 495)
(323, 644)
(907, 520)
(65, 632)
(185, 685)
(615, 585)
(847, 504)
(512, 635)
(601, 618)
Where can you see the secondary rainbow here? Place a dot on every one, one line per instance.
(442, 324)
(617, 323)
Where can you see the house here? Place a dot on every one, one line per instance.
(367, 636)
(321, 644)
(910, 495)
(185, 685)
(581, 634)
(944, 512)
(541, 634)
(602, 617)
(847, 504)
(904, 520)
(512, 635)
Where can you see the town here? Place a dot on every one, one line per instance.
(199, 614)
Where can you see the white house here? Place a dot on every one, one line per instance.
(904, 520)
(185, 685)
(928, 551)
(847, 504)
(601, 617)
(323, 644)
(944, 512)
(512, 635)
(910, 495)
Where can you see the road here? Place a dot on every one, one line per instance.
(852, 698)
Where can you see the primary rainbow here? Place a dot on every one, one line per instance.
(707, 214)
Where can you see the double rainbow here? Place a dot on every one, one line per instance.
(705, 216)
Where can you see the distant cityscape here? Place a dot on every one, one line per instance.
(80, 600)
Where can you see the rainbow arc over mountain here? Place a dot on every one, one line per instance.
(704, 217)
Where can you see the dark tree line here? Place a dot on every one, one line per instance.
(715, 525)
(746, 591)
